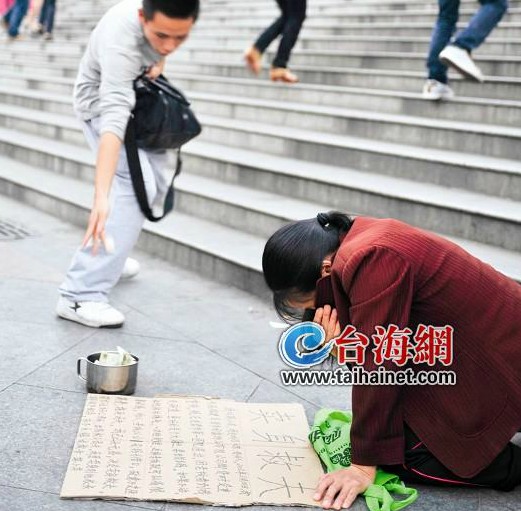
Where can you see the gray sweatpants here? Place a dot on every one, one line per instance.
(91, 278)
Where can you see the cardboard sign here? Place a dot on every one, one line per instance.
(192, 449)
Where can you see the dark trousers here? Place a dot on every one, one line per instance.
(47, 15)
(420, 466)
(293, 14)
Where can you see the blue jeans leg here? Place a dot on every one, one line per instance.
(441, 35)
(47, 15)
(16, 16)
(481, 24)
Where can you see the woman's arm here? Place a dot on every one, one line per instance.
(380, 287)
(340, 488)
(379, 284)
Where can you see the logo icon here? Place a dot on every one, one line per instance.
(302, 345)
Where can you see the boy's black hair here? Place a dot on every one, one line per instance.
(172, 8)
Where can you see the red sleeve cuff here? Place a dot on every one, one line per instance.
(378, 452)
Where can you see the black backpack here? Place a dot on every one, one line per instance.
(161, 120)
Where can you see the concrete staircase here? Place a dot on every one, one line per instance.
(355, 135)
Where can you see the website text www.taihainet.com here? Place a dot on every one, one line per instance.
(358, 376)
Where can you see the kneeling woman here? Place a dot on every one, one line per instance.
(369, 272)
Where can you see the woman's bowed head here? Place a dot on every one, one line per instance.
(299, 254)
(369, 272)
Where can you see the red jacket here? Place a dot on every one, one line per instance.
(386, 272)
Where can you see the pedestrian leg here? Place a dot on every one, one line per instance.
(458, 54)
(481, 24)
(441, 35)
(296, 14)
(16, 16)
(47, 18)
(253, 55)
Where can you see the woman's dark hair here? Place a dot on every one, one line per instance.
(171, 8)
(293, 256)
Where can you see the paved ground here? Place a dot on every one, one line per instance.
(192, 336)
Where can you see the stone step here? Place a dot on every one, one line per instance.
(495, 176)
(505, 88)
(504, 30)
(493, 46)
(26, 91)
(307, 174)
(214, 250)
(65, 68)
(269, 7)
(452, 211)
(41, 101)
(491, 65)
(245, 209)
(344, 15)
(412, 163)
(499, 141)
(376, 5)
(358, 43)
(266, 16)
(55, 64)
(344, 188)
(478, 110)
(468, 8)
(58, 47)
(411, 81)
(27, 82)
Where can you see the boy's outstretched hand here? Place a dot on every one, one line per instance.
(96, 228)
(339, 489)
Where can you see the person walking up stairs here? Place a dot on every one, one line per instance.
(458, 53)
(288, 24)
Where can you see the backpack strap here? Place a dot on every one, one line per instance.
(136, 175)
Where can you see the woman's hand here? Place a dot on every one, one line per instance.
(328, 319)
(339, 489)
(96, 228)
(154, 71)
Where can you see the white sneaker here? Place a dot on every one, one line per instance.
(93, 314)
(435, 90)
(461, 60)
(131, 269)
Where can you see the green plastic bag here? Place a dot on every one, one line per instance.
(331, 439)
